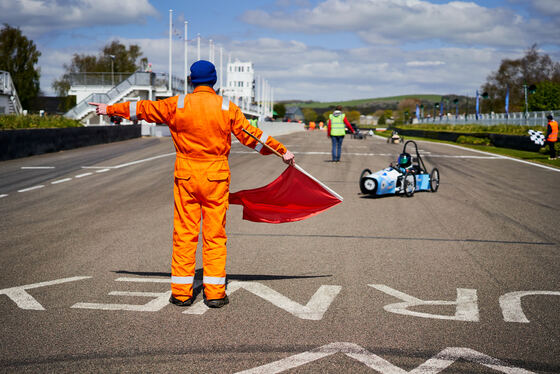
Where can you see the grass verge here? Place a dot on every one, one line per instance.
(536, 157)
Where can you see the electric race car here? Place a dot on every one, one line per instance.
(410, 175)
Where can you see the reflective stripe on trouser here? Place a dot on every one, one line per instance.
(202, 190)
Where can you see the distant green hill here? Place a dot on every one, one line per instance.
(363, 102)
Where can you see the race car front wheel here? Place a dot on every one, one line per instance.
(368, 186)
(434, 180)
(365, 172)
(409, 184)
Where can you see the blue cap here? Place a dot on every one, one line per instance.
(203, 72)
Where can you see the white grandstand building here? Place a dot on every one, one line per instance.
(240, 84)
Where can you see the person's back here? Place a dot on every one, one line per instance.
(201, 128)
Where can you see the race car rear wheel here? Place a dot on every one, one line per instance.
(409, 184)
(434, 180)
(368, 186)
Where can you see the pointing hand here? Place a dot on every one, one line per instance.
(100, 108)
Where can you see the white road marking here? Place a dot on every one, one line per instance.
(102, 169)
(434, 365)
(313, 310)
(25, 300)
(466, 304)
(3, 195)
(61, 180)
(31, 188)
(382, 154)
(130, 163)
(144, 280)
(144, 160)
(511, 304)
(82, 175)
(160, 300)
(36, 167)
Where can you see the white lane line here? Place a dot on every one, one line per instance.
(129, 163)
(102, 169)
(36, 167)
(82, 175)
(144, 160)
(31, 188)
(61, 180)
(3, 195)
(379, 154)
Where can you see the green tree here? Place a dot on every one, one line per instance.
(353, 116)
(280, 110)
(546, 97)
(533, 68)
(124, 61)
(18, 56)
(309, 115)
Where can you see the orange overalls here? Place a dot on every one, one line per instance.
(201, 124)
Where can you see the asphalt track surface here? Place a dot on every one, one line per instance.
(426, 284)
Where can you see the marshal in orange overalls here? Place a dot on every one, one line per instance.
(201, 124)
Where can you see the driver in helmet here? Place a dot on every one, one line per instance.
(405, 162)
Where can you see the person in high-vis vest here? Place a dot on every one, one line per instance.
(551, 136)
(336, 131)
(201, 125)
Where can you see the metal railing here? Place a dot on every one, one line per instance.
(488, 119)
(135, 80)
(97, 79)
(7, 87)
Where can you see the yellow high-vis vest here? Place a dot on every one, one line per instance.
(337, 125)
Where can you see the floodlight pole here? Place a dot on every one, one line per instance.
(170, 49)
(198, 47)
(186, 60)
(221, 72)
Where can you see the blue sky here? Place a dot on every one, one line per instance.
(323, 50)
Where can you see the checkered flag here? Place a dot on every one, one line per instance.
(537, 137)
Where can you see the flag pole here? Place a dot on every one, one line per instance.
(266, 145)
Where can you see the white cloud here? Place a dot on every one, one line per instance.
(400, 21)
(425, 63)
(35, 17)
(298, 71)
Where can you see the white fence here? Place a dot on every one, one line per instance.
(270, 128)
(518, 118)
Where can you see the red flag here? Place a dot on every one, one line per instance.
(293, 196)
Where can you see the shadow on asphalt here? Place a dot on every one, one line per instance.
(230, 277)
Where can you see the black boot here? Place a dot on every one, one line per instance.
(178, 302)
(217, 303)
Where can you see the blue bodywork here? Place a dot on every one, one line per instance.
(387, 181)
(391, 180)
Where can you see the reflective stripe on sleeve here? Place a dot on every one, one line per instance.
(181, 102)
(263, 138)
(132, 110)
(181, 280)
(213, 280)
(225, 103)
